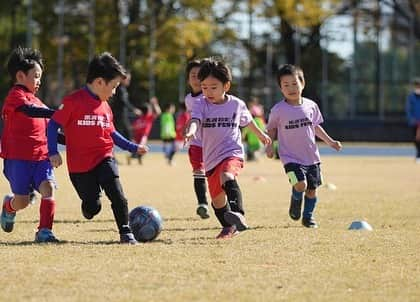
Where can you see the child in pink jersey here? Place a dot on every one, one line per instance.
(295, 122)
(218, 118)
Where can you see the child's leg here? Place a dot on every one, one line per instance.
(89, 191)
(233, 192)
(310, 203)
(115, 194)
(220, 207)
(295, 208)
(47, 206)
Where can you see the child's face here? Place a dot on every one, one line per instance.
(214, 90)
(32, 79)
(291, 87)
(106, 90)
(193, 80)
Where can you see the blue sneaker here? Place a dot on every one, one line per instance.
(44, 236)
(128, 239)
(7, 219)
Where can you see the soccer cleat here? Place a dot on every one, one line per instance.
(295, 208)
(309, 222)
(203, 211)
(228, 232)
(128, 238)
(7, 219)
(45, 235)
(237, 219)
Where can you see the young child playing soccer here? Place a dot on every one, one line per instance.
(295, 122)
(92, 168)
(218, 116)
(195, 149)
(24, 144)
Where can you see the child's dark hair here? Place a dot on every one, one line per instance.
(192, 64)
(23, 59)
(215, 68)
(144, 108)
(289, 69)
(105, 66)
(182, 106)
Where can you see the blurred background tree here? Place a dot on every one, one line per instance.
(359, 56)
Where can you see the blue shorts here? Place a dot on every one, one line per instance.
(26, 175)
(311, 174)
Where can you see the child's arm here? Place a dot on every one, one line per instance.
(127, 145)
(35, 111)
(322, 134)
(264, 138)
(52, 135)
(155, 106)
(190, 129)
(269, 150)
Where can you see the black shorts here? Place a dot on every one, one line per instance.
(89, 184)
(311, 174)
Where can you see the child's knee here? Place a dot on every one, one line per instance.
(300, 186)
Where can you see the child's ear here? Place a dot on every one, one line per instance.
(20, 76)
(226, 86)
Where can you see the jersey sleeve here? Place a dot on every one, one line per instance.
(15, 100)
(197, 110)
(317, 118)
(245, 115)
(272, 119)
(63, 114)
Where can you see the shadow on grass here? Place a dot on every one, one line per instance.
(69, 221)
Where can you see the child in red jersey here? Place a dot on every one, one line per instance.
(142, 125)
(181, 120)
(92, 167)
(24, 144)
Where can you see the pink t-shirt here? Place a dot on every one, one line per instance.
(295, 127)
(190, 100)
(219, 128)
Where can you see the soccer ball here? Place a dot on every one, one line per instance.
(145, 223)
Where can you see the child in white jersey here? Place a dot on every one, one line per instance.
(218, 117)
(195, 149)
(295, 122)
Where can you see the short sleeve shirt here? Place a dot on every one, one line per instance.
(295, 127)
(88, 124)
(23, 137)
(219, 129)
(190, 100)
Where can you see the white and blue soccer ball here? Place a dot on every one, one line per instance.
(145, 223)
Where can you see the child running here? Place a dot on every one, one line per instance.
(90, 161)
(295, 122)
(24, 144)
(195, 150)
(219, 116)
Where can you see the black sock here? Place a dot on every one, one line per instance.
(220, 214)
(234, 195)
(200, 188)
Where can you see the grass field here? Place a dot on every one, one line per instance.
(277, 260)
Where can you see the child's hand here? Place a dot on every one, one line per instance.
(142, 149)
(56, 160)
(269, 151)
(265, 139)
(336, 145)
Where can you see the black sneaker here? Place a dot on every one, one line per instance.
(309, 222)
(295, 208)
(203, 211)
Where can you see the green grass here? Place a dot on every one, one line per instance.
(277, 260)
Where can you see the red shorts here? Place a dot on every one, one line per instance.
(232, 165)
(195, 154)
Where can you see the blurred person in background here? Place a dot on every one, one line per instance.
(413, 115)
